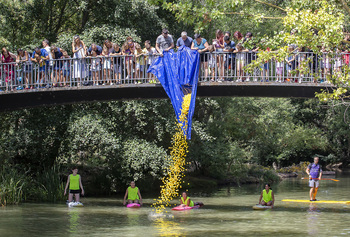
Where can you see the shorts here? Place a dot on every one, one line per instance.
(107, 64)
(290, 67)
(265, 66)
(204, 57)
(74, 191)
(95, 68)
(219, 50)
(326, 65)
(313, 183)
(42, 69)
(228, 63)
(27, 68)
(279, 70)
(240, 62)
(66, 73)
(117, 68)
(141, 67)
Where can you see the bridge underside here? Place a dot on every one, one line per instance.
(59, 96)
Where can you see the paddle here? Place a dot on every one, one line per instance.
(336, 180)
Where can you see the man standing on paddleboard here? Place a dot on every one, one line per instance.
(314, 171)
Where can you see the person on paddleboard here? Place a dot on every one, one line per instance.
(133, 194)
(267, 198)
(74, 184)
(186, 201)
(314, 171)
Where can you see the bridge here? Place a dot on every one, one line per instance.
(58, 85)
(60, 96)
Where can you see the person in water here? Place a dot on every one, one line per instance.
(186, 201)
(314, 171)
(133, 194)
(267, 196)
(74, 183)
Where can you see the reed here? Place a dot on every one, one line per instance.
(12, 185)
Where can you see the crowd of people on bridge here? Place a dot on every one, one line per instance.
(222, 59)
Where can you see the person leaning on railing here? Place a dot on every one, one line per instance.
(96, 48)
(117, 63)
(24, 59)
(140, 62)
(150, 53)
(164, 42)
(201, 45)
(128, 49)
(106, 53)
(230, 46)
(65, 69)
(184, 40)
(40, 56)
(8, 68)
(219, 45)
(56, 54)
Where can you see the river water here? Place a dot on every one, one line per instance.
(227, 212)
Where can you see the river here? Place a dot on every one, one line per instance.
(227, 212)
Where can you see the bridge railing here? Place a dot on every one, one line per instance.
(215, 67)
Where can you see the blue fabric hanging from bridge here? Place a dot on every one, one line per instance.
(178, 74)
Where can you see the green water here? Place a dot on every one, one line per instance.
(226, 213)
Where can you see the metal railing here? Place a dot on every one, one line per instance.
(215, 67)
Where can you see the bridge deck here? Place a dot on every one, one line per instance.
(70, 95)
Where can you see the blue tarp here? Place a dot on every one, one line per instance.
(178, 74)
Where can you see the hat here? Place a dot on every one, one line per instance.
(184, 33)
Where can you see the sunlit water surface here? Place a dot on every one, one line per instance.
(227, 212)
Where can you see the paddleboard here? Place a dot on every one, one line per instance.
(320, 201)
(261, 207)
(75, 204)
(185, 208)
(133, 205)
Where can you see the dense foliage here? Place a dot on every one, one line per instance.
(120, 141)
(128, 140)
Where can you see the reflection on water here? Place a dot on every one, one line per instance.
(312, 220)
(133, 216)
(168, 227)
(73, 219)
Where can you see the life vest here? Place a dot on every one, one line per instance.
(133, 193)
(74, 182)
(185, 202)
(267, 196)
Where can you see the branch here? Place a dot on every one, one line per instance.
(240, 13)
(346, 42)
(345, 5)
(271, 5)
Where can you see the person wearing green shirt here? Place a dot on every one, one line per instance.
(267, 196)
(186, 201)
(133, 194)
(74, 184)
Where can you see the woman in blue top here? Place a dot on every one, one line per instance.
(201, 45)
